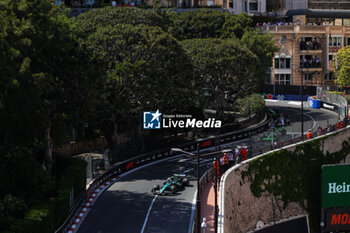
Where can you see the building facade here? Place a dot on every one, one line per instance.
(329, 4)
(251, 7)
(307, 54)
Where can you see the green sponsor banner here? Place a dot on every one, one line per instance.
(335, 186)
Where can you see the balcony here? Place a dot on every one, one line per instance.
(294, 28)
(309, 45)
(334, 49)
(311, 65)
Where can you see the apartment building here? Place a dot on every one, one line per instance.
(329, 4)
(308, 45)
(251, 7)
(285, 5)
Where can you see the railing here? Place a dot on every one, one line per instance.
(310, 64)
(295, 28)
(132, 163)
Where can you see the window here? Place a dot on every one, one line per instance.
(329, 76)
(282, 63)
(268, 76)
(346, 41)
(231, 4)
(338, 22)
(335, 41)
(308, 76)
(282, 79)
(253, 6)
(346, 22)
(331, 58)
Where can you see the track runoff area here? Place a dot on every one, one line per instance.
(129, 205)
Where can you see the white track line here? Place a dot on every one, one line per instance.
(147, 216)
(313, 126)
(190, 227)
(269, 100)
(294, 102)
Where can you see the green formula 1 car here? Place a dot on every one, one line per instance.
(172, 184)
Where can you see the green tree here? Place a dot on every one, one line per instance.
(203, 23)
(251, 104)
(40, 58)
(342, 69)
(235, 25)
(90, 21)
(146, 68)
(263, 46)
(224, 67)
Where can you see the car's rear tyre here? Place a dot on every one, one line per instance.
(185, 181)
(173, 189)
(155, 188)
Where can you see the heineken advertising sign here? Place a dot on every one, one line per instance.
(335, 186)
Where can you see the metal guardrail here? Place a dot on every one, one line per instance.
(334, 102)
(132, 163)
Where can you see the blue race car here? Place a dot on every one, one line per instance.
(172, 184)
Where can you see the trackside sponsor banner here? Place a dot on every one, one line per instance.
(338, 219)
(335, 186)
(329, 106)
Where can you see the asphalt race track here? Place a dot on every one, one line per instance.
(129, 206)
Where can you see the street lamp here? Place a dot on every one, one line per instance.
(198, 201)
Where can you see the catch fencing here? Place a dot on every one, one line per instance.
(333, 102)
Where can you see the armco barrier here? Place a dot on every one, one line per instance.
(138, 161)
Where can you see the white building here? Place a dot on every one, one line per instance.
(251, 7)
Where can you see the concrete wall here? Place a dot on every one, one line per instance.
(242, 210)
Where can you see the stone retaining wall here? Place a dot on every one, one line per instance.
(242, 210)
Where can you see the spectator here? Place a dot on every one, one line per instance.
(230, 159)
(236, 152)
(319, 131)
(277, 145)
(238, 159)
(329, 128)
(243, 154)
(282, 120)
(222, 163)
(309, 134)
(318, 62)
(216, 167)
(338, 125)
(225, 162)
(342, 124)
